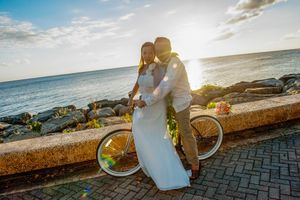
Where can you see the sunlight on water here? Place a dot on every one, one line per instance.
(195, 70)
(40, 94)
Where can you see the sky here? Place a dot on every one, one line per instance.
(50, 37)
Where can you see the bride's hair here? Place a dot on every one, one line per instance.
(142, 62)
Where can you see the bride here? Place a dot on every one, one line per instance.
(156, 153)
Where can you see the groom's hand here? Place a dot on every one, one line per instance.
(140, 103)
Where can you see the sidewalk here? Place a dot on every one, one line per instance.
(266, 170)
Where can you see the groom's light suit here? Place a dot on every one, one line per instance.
(176, 82)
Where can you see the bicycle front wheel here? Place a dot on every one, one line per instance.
(116, 153)
(208, 132)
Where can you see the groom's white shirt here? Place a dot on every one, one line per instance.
(176, 82)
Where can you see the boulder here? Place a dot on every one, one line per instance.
(264, 90)
(197, 108)
(288, 84)
(207, 92)
(236, 97)
(118, 107)
(199, 99)
(292, 84)
(48, 114)
(58, 124)
(287, 77)
(270, 82)
(124, 110)
(102, 112)
(295, 89)
(15, 130)
(108, 121)
(242, 86)
(17, 119)
(4, 126)
(107, 103)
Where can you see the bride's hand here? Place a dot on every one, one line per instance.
(140, 103)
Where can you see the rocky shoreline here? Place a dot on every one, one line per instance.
(109, 112)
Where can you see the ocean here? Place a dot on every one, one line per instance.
(40, 94)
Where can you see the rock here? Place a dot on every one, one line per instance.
(22, 136)
(292, 85)
(207, 92)
(287, 77)
(102, 112)
(197, 108)
(118, 107)
(107, 103)
(81, 126)
(108, 121)
(16, 130)
(289, 83)
(235, 98)
(270, 82)
(17, 119)
(264, 90)
(199, 99)
(58, 124)
(4, 125)
(124, 111)
(294, 90)
(242, 86)
(48, 114)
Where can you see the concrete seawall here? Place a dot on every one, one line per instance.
(61, 149)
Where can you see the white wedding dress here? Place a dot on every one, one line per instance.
(155, 150)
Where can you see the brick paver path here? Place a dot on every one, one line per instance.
(266, 170)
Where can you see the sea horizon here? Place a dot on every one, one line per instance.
(209, 57)
(81, 88)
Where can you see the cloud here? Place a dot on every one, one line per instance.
(223, 34)
(15, 31)
(246, 10)
(20, 61)
(292, 36)
(127, 17)
(243, 11)
(80, 32)
(171, 12)
(147, 5)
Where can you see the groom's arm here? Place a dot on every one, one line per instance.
(174, 70)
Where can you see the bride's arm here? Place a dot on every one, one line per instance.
(133, 93)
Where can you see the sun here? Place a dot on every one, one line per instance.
(193, 41)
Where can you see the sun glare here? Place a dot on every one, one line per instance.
(194, 70)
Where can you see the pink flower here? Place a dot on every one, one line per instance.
(222, 107)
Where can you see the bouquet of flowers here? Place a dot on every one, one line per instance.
(222, 107)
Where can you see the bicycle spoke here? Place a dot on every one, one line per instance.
(207, 131)
(118, 156)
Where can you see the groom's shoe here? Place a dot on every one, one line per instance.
(195, 173)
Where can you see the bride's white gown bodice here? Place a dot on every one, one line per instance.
(156, 153)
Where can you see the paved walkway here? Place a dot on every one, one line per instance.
(267, 170)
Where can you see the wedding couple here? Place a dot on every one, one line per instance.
(155, 150)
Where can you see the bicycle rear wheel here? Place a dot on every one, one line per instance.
(208, 132)
(116, 153)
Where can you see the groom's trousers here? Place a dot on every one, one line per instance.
(187, 138)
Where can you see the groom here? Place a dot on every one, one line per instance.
(176, 82)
